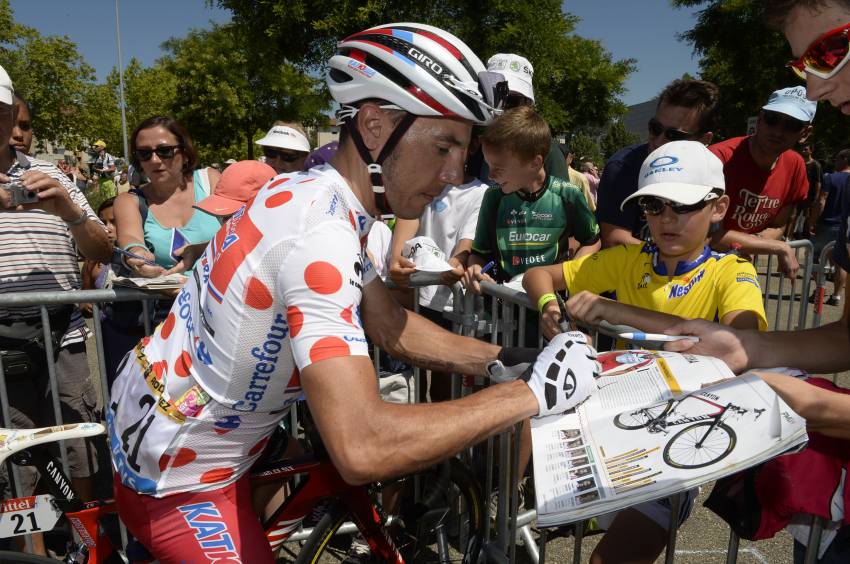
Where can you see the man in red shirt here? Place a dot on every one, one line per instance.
(765, 178)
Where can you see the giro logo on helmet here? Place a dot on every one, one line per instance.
(435, 67)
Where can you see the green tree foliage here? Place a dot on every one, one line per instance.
(747, 61)
(577, 83)
(585, 147)
(616, 137)
(148, 91)
(49, 73)
(224, 93)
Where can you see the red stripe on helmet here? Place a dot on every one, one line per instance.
(430, 102)
(446, 45)
(384, 47)
(357, 55)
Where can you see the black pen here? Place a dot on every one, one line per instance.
(564, 324)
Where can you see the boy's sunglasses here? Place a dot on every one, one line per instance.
(788, 124)
(163, 152)
(653, 205)
(825, 56)
(285, 156)
(656, 128)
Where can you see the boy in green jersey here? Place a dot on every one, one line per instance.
(529, 217)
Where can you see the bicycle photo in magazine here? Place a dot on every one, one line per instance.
(660, 423)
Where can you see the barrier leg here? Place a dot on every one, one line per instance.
(544, 537)
(54, 387)
(578, 537)
(514, 491)
(813, 546)
(673, 528)
(732, 549)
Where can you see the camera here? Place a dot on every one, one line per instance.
(20, 195)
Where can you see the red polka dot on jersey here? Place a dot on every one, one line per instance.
(322, 277)
(167, 326)
(258, 447)
(278, 199)
(257, 295)
(351, 219)
(146, 340)
(346, 314)
(295, 319)
(278, 182)
(217, 475)
(183, 365)
(159, 368)
(328, 347)
(294, 379)
(183, 457)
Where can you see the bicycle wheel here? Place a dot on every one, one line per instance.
(448, 521)
(11, 557)
(685, 451)
(641, 418)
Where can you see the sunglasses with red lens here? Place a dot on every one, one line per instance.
(825, 56)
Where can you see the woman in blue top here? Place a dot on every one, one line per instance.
(158, 219)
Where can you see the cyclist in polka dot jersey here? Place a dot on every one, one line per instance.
(279, 305)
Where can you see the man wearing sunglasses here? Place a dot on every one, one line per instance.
(766, 178)
(686, 111)
(285, 148)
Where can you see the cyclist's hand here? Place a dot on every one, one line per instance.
(589, 309)
(564, 374)
(189, 255)
(720, 341)
(511, 363)
(400, 270)
(550, 320)
(788, 261)
(473, 276)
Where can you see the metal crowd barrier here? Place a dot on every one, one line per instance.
(504, 324)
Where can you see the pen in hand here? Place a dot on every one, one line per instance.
(488, 267)
(564, 324)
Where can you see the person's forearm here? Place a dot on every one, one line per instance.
(774, 233)
(822, 350)
(92, 241)
(589, 249)
(537, 282)
(748, 244)
(646, 320)
(825, 411)
(613, 235)
(427, 345)
(462, 251)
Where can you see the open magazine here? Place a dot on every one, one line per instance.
(660, 423)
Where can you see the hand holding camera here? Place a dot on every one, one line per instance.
(37, 190)
(19, 195)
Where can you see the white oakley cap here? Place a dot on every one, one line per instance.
(284, 137)
(684, 172)
(7, 91)
(792, 102)
(517, 70)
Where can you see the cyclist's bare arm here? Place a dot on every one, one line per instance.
(613, 235)
(369, 439)
(821, 350)
(589, 249)
(407, 335)
(825, 411)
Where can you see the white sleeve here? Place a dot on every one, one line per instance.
(321, 284)
(470, 219)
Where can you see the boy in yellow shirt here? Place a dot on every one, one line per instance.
(681, 190)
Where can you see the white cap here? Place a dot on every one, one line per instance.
(284, 137)
(517, 70)
(684, 172)
(792, 102)
(7, 91)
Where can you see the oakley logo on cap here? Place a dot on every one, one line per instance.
(666, 160)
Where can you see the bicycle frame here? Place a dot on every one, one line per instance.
(662, 421)
(322, 481)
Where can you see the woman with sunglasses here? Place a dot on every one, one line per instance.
(681, 191)
(158, 219)
(285, 147)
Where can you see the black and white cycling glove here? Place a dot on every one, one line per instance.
(564, 374)
(511, 363)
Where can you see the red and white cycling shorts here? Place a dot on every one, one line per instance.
(218, 526)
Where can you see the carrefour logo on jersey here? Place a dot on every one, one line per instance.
(267, 356)
(679, 290)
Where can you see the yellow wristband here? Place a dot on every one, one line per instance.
(545, 299)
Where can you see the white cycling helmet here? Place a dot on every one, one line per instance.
(419, 68)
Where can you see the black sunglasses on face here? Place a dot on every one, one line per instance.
(284, 156)
(163, 152)
(789, 124)
(653, 205)
(656, 128)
